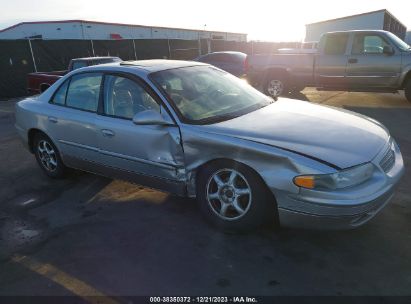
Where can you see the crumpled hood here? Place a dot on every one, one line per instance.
(339, 137)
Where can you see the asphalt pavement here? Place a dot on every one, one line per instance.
(92, 236)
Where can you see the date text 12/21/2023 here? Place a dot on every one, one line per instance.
(203, 299)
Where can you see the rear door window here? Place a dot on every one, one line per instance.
(84, 91)
(336, 44)
(60, 96)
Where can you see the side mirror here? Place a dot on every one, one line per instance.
(150, 117)
(388, 50)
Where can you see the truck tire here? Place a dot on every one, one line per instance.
(407, 90)
(276, 84)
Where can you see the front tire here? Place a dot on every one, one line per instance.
(407, 90)
(48, 157)
(232, 197)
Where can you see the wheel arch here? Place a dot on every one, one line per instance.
(407, 77)
(283, 71)
(31, 134)
(232, 162)
(43, 87)
(269, 194)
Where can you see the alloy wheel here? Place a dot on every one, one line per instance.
(47, 155)
(275, 88)
(229, 194)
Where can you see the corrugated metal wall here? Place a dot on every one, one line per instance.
(361, 22)
(379, 20)
(392, 25)
(408, 38)
(104, 31)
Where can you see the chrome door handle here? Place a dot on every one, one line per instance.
(107, 133)
(52, 119)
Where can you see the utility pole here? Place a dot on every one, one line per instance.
(32, 55)
(92, 47)
(135, 51)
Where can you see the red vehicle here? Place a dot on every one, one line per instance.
(41, 81)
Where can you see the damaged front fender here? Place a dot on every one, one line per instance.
(276, 167)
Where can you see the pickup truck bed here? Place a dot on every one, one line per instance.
(301, 65)
(41, 81)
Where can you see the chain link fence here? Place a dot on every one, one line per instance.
(20, 57)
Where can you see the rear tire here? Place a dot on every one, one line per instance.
(276, 84)
(233, 197)
(48, 156)
(407, 90)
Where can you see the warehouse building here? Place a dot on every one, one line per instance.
(408, 38)
(93, 30)
(376, 20)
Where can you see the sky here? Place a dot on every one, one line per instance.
(261, 19)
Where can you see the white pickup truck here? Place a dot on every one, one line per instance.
(362, 61)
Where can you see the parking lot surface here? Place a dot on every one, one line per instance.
(89, 235)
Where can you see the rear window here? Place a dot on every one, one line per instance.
(79, 64)
(234, 58)
(212, 58)
(223, 57)
(105, 60)
(335, 44)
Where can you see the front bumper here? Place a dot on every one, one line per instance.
(345, 209)
(335, 218)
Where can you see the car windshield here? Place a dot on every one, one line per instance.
(204, 94)
(399, 43)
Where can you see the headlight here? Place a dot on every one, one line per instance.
(343, 179)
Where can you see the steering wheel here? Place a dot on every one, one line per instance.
(177, 98)
(216, 94)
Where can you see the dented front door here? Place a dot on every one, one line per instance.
(145, 150)
(153, 152)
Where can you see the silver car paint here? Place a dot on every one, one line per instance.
(300, 126)
(280, 141)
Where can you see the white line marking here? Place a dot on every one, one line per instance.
(32, 200)
(6, 111)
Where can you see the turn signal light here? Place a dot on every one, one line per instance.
(305, 181)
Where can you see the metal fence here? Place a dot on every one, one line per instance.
(20, 57)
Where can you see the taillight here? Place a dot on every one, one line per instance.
(246, 66)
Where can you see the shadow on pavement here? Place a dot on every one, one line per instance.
(124, 240)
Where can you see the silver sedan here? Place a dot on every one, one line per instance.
(197, 131)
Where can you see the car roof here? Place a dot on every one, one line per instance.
(95, 58)
(357, 31)
(227, 52)
(146, 66)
